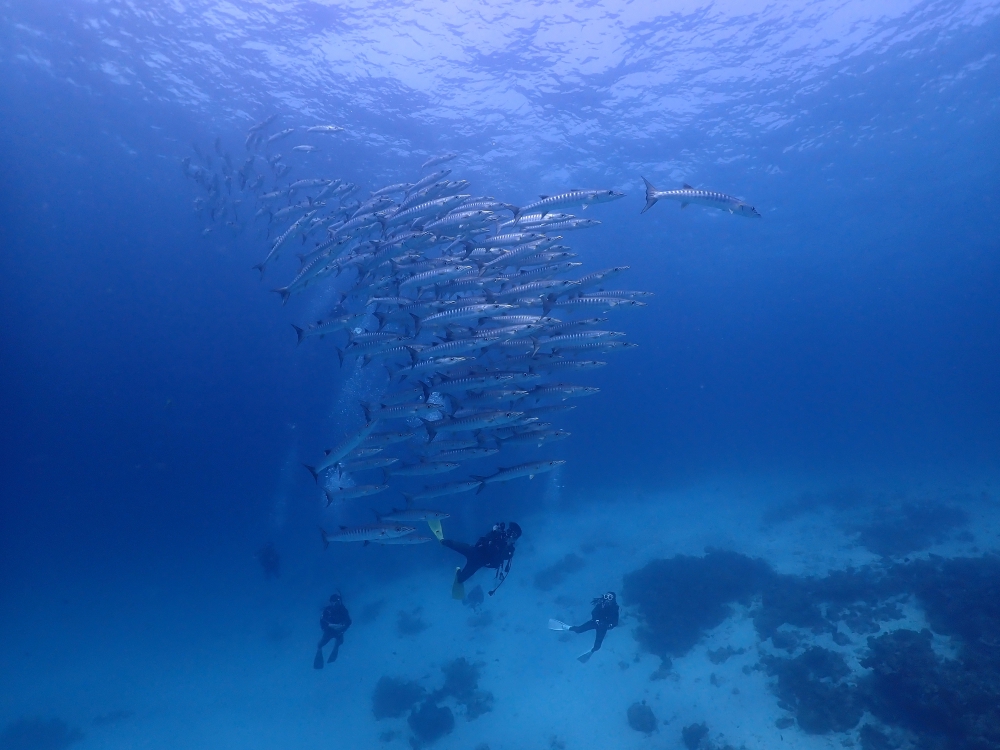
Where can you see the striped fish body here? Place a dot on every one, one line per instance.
(337, 454)
(536, 438)
(710, 198)
(479, 422)
(454, 488)
(522, 470)
(424, 468)
(343, 494)
(408, 539)
(367, 464)
(383, 439)
(474, 383)
(548, 203)
(412, 515)
(466, 454)
(373, 532)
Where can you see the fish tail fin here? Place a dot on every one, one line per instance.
(650, 196)
(367, 409)
(312, 470)
(300, 333)
(260, 267)
(431, 432)
(416, 323)
(326, 542)
(340, 355)
(284, 292)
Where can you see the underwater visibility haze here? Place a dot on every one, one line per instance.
(500, 375)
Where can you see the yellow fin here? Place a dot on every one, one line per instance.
(435, 527)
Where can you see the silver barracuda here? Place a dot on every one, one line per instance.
(687, 195)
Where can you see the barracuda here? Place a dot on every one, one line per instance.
(367, 534)
(523, 470)
(687, 195)
(337, 454)
(583, 198)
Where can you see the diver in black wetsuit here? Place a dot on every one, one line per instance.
(495, 550)
(603, 617)
(335, 622)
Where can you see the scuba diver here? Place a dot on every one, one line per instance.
(335, 622)
(603, 617)
(495, 550)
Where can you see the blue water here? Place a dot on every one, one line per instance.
(156, 406)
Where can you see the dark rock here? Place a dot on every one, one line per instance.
(39, 734)
(475, 598)
(875, 739)
(461, 682)
(393, 698)
(460, 679)
(641, 719)
(723, 654)
(811, 685)
(693, 735)
(550, 577)
(936, 704)
(680, 598)
(786, 640)
(429, 723)
(840, 639)
(912, 527)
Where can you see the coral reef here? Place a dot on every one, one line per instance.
(693, 735)
(911, 527)
(935, 702)
(641, 718)
(811, 685)
(394, 697)
(430, 722)
(679, 599)
(461, 682)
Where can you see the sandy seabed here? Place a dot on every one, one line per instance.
(174, 668)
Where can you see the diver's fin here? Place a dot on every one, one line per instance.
(457, 589)
(318, 661)
(557, 625)
(435, 527)
(584, 657)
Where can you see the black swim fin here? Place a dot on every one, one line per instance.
(318, 661)
(457, 589)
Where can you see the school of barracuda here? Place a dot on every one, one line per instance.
(476, 310)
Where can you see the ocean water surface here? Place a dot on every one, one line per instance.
(788, 475)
